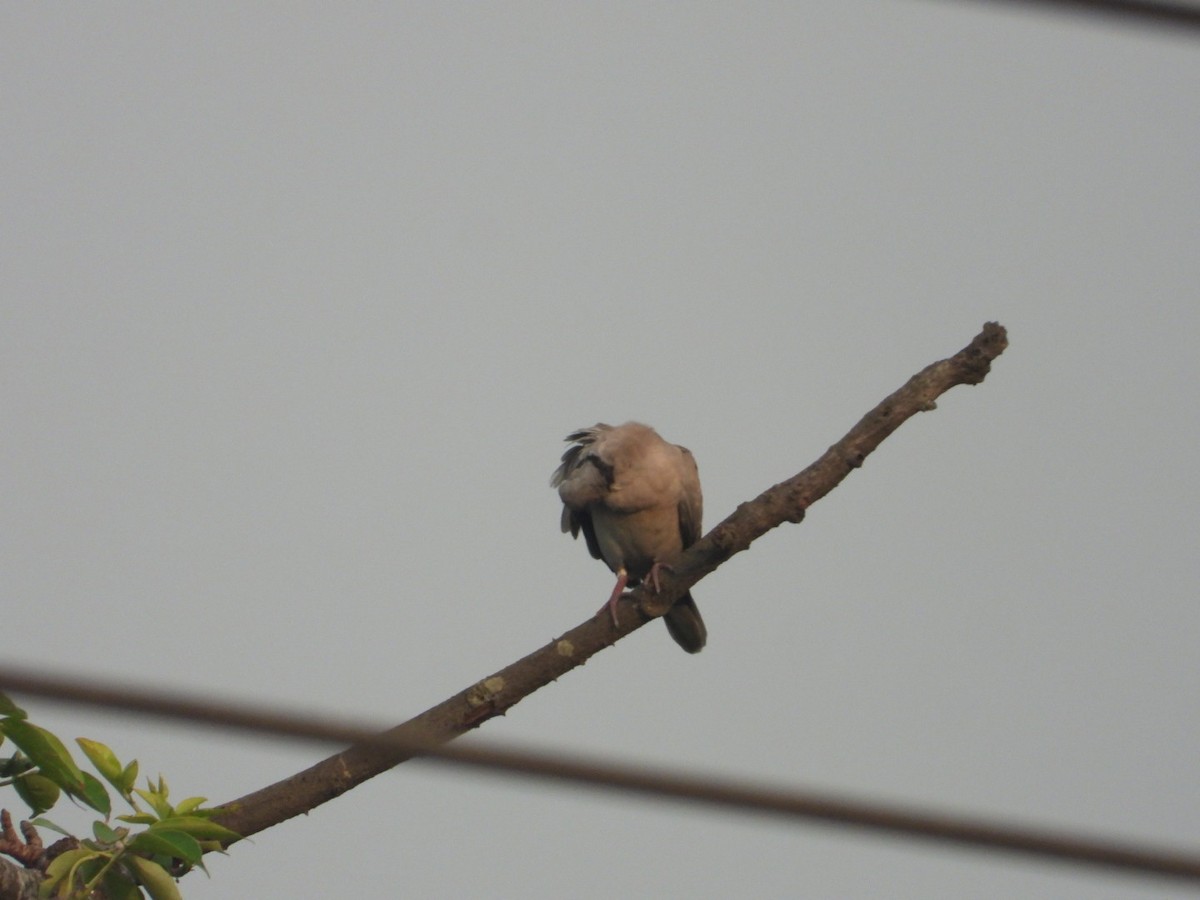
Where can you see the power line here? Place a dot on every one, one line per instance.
(1175, 15)
(739, 796)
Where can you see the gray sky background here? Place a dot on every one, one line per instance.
(300, 300)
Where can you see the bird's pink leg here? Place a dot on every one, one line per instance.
(652, 575)
(611, 605)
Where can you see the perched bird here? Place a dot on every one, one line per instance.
(637, 501)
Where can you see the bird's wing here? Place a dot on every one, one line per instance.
(583, 477)
(691, 500)
(577, 520)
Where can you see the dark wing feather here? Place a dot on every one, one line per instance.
(575, 456)
(589, 534)
(577, 520)
(581, 441)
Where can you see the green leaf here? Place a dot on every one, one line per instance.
(157, 803)
(38, 792)
(45, 749)
(209, 813)
(43, 822)
(184, 807)
(106, 834)
(167, 842)
(154, 878)
(198, 827)
(94, 794)
(119, 885)
(63, 868)
(139, 819)
(8, 708)
(91, 868)
(128, 778)
(103, 759)
(15, 765)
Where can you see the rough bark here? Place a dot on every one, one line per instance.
(785, 502)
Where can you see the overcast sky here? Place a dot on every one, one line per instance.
(299, 301)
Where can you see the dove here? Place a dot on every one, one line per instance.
(637, 500)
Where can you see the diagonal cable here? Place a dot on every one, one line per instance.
(1161, 13)
(741, 796)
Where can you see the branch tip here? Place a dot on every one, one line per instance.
(785, 502)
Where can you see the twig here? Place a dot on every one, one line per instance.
(493, 696)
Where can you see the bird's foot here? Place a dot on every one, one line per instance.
(615, 597)
(652, 575)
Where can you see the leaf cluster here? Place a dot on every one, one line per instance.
(120, 860)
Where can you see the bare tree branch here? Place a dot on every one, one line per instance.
(17, 882)
(785, 502)
(25, 848)
(22, 882)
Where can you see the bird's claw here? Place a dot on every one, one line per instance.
(615, 597)
(652, 575)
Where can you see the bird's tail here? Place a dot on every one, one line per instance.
(684, 622)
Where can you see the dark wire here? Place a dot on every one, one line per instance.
(1171, 15)
(739, 796)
